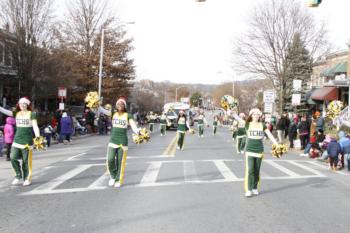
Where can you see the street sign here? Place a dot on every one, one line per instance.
(62, 92)
(61, 106)
(296, 99)
(269, 96)
(268, 107)
(297, 85)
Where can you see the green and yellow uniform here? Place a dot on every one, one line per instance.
(163, 123)
(200, 123)
(254, 154)
(22, 146)
(118, 145)
(241, 136)
(181, 130)
(151, 122)
(215, 126)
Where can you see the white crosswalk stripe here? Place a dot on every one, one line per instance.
(190, 174)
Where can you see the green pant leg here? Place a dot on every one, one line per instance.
(151, 127)
(119, 157)
(15, 155)
(251, 169)
(181, 139)
(26, 163)
(234, 134)
(119, 162)
(257, 165)
(111, 162)
(242, 144)
(162, 129)
(215, 129)
(200, 130)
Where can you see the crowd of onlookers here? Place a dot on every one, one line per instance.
(307, 133)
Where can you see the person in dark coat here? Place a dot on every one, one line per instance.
(66, 127)
(303, 128)
(292, 133)
(333, 150)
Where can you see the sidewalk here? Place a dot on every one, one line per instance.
(39, 162)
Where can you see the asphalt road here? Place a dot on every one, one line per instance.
(199, 189)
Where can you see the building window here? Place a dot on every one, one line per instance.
(2, 53)
(8, 60)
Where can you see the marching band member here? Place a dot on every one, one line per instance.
(181, 129)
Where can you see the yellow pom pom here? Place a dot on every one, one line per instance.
(92, 100)
(278, 150)
(39, 143)
(143, 136)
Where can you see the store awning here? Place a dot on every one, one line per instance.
(340, 67)
(327, 72)
(325, 93)
(308, 96)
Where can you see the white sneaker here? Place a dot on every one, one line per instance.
(248, 193)
(111, 182)
(117, 184)
(202, 136)
(304, 155)
(16, 181)
(255, 192)
(178, 147)
(27, 182)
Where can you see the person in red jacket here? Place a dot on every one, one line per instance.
(9, 134)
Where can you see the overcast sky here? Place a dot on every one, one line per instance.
(190, 42)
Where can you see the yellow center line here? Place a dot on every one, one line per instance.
(171, 148)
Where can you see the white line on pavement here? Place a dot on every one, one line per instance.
(225, 171)
(75, 156)
(150, 177)
(282, 169)
(313, 171)
(61, 179)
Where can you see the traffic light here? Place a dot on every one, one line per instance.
(314, 3)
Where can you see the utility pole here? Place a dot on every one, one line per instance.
(101, 60)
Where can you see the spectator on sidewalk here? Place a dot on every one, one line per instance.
(345, 147)
(9, 135)
(319, 121)
(280, 127)
(314, 151)
(333, 151)
(66, 127)
(2, 142)
(292, 133)
(303, 129)
(287, 122)
(48, 134)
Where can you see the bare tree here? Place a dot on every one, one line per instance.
(263, 49)
(30, 23)
(82, 34)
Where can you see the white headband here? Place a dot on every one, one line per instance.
(255, 110)
(24, 101)
(121, 100)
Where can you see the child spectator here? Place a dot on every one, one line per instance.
(314, 151)
(333, 151)
(345, 146)
(1, 142)
(9, 132)
(48, 134)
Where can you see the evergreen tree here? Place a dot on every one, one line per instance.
(298, 66)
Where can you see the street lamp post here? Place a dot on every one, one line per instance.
(101, 60)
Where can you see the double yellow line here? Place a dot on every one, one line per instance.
(171, 149)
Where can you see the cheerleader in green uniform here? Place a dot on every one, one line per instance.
(255, 131)
(182, 126)
(215, 124)
(152, 119)
(118, 143)
(200, 123)
(234, 129)
(241, 134)
(163, 123)
(22, 147)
